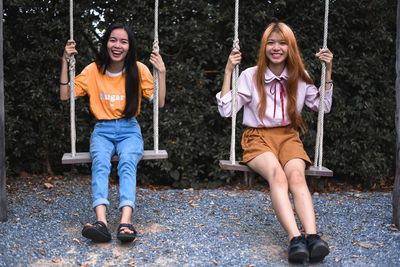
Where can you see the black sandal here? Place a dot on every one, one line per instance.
(97, 232)
(126, 237)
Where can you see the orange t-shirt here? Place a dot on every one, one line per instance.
(107, 91)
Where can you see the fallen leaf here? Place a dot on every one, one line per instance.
(212, 195)
(234, 219)
(77, 241)
(75, 214)
(356, 228)
(48, 200)
(164, 198)
(43, 252)
(132, 263)
(222, 236)
(365, 244)
(198, 225)
(337, 259)
(55, 260)
(48, 185)
(215, 262)
(354, 242)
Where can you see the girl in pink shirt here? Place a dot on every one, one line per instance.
(272, 95)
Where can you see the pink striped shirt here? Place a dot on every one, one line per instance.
(275, 86)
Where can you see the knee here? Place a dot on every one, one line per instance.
(278, 180)
(130, 157)
(296, 179)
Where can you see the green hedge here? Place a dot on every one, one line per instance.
(195, 40)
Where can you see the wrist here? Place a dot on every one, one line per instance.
(228, 71)
(162, 71)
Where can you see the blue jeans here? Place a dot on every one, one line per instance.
(124, 138)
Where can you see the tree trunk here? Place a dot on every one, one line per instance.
(396, 191)
(3, 198)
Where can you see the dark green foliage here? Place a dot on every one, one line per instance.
(195, 40)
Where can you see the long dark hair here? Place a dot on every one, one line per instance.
(132, 72)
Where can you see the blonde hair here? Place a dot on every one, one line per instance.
(295, 68)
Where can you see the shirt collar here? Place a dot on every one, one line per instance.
(269, 76)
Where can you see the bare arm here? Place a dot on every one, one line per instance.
(234, 58)
(158, 63)
(64, 86)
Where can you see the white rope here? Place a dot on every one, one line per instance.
(72, 80)
(156, 82)
(320, 130)
(235, 76)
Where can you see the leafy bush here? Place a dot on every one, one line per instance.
(195, 40)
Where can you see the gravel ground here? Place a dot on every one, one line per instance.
(188, 228)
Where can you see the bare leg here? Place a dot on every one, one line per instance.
(302, 200)
(126, 218)
(100, 211)
(268, 166)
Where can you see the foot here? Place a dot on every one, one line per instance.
(97, 232)
(297, 251)
(318, 248)
(126, 232)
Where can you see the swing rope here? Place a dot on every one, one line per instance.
(71, 62)
(155, 77)
(71, 68)
(320, 128)
(235, 76)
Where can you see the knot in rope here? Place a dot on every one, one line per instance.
(236, 44)
(155, 46)
(71, 61)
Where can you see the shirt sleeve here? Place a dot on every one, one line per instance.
(244, 96)
(82, 81)
(146, 81)
(312, 98)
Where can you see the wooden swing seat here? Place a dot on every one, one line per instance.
(84, 157)
(312, 171)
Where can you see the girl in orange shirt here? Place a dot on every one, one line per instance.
(114, 84)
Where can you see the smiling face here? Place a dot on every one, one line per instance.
(118, 45)
(276, 50)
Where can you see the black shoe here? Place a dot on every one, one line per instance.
(297, 251)
(318, 248)
(98, 232)
(125, 237)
